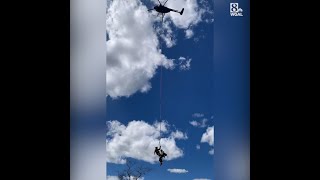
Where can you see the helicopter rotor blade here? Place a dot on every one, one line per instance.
(165, 2)
(159, 2)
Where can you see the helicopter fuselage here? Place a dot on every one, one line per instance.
(162, 9)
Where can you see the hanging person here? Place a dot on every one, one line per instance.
(163, 153)
(157, 151)
(160, 160)
(160, 153)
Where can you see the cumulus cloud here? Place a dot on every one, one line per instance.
(184, 63)
(198, 146)
(201, 124)
(138, 139)
(189, 33)
(197, 115)
(208, 136)
(178, 171)
(133, 42)
(179, 135)
(116, 178)
(166, 33)
(194, 123)
(133, 52)
(192, 13)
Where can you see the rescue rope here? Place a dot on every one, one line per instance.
(160, 107)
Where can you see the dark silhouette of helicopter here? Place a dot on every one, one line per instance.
(161, 9)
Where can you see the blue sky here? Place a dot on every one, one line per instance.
(184, 92)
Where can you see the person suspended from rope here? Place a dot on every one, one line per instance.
(160, 160)
(157, 151)
(163, 153)
(160, 153)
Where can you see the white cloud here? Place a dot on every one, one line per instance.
(194, 123)
(197, 115)
(201, 124)
(178, 171)
(184, 63)
(134, 178)
(133, 53)
(179, 135)
(138, 139)
(208, 136)
(166, 33)
(133, 47)
(211, 152)
(191, 16)
(198, 146)
(116, 178)
(201, 179)
(204, 122)
(189, 33)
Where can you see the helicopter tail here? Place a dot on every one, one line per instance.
(181, 12)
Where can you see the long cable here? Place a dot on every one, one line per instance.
(160, 107)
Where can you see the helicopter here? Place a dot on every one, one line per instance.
(161, 9)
